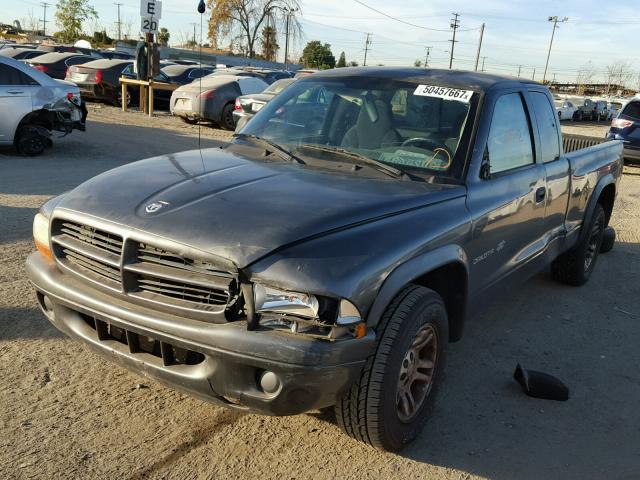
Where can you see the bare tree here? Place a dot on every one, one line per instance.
(126, 28)
(619, 73)
(245, 18)
(30, 23)
(586, 73)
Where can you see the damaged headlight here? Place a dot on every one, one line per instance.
(297, 312)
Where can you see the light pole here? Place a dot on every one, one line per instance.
(555, 21)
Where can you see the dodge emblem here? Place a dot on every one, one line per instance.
(155, 206)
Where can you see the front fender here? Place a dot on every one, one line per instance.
(412, 270)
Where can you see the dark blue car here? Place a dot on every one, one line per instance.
(626, 127)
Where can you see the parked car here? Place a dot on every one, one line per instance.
(113, 55)
(268, 76)
(247, 105)
(586, 110)
(328, 259)
(33, 105)
(213, 98)
(566, 110)
(99, 80)
(21, 53)
(626, 127)
(304, 72)
(601, 110)
(614, 108)
(56, 64)
(170, 73)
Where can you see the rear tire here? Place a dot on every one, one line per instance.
(226, 119)
(608, 240)
(391, 401)
(575, 266)
(30, 143)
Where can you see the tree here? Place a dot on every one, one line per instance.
(269, 43)
(619, 73)
(342, 62)
(352, 63)
(70, 14)
(585, 76)
(318, 55)
(417, 63)
(101, 38)
(163, 36)
(244, 18)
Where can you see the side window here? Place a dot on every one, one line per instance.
(509, 144)
(632, 110)
(12, 76)
(547, 125)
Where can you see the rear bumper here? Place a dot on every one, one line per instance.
(311, 373)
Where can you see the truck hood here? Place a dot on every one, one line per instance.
(241, 209)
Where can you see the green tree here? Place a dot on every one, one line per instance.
(352, 63)
(342, 61)
(163, 36)
(70, 14)
(417, 63)
(318, 55)
(101, 38)
(269, 43)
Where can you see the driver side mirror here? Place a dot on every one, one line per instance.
(485, 167)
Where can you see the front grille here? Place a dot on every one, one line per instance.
(144, 272)
(169, 353)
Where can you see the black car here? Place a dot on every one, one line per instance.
(113, 55)
(247, 105)
(21, 53)
(171, 73)
(100, 80)
(56, 64)
(268, 76)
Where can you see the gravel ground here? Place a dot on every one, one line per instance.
(66, 413)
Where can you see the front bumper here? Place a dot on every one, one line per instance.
(312, 373)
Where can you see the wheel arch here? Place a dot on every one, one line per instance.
(42, 117)
(604, 194)
(444, 270)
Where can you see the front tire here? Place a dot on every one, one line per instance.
(391, 401)
(575, 266)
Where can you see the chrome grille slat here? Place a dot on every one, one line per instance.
(94, 266)
(158, 256)
(183, 291)
(93, 236)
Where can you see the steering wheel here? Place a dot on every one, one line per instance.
(435, 148)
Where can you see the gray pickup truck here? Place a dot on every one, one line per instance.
(328, 255)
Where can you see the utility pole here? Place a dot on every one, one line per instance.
(426, 60)
(288, 12)
(554, 79)
(119, 22)
(367, 42)
(519, 70)
(266, 41)
(533, 77)
(483, 59)
(479, 46)
(44, 18)
(555, 21)
(455, 23)
(194, 34)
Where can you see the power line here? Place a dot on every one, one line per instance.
(402, 21)
(455, 24)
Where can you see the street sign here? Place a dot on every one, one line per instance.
(149, 25)
(151, 8)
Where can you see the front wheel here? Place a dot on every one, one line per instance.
(576, 266)
(391, 401)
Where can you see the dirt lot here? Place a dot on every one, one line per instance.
(68, 414)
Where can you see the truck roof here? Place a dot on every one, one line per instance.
(453, 78)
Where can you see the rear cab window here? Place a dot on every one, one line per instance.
(547, 127)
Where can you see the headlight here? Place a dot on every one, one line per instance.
(41, 236)
(269, 299)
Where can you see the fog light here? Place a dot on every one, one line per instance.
(269, 382)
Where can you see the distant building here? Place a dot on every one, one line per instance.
(592, 89)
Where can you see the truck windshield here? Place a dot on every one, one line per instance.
(411, 126)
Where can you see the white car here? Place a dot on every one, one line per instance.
(565, 110)
(33, 105)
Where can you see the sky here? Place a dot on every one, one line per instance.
(516, 36)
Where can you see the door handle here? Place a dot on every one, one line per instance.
(15, 92)
(540, 194)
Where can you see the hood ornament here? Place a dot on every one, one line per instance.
(155, 206)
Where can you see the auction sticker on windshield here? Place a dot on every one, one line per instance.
(444, 93)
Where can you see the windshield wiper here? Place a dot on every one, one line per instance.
(358, 158)
(271, 147)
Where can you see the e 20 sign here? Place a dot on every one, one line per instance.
(151, 8)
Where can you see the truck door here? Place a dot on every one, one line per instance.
(556, 166)
(15, 100)
(506, 194)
